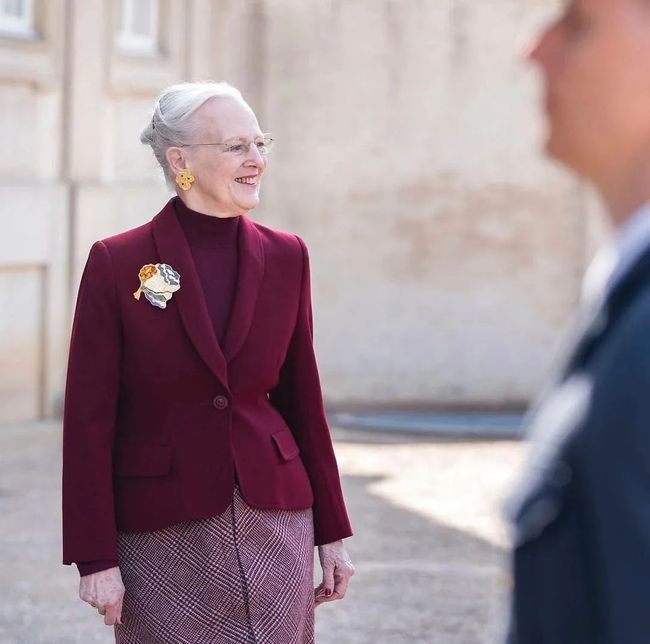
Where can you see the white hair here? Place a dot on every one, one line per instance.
(171, 123)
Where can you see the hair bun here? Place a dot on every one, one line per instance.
(147, 135)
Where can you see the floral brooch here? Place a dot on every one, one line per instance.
(158, 282)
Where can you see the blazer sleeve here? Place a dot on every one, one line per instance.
(615, 464)
(299, 399)
(90, 407)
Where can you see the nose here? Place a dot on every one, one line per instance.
(253, 156)
(533, 53)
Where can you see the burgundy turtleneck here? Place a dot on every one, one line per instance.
(213, 242)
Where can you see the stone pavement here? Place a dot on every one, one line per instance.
(429, 546)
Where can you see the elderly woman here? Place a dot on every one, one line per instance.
(198, 469)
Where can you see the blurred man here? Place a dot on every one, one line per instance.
(581, 518)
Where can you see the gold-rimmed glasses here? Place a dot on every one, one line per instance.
(240, 147)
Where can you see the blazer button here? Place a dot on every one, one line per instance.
(220, 402)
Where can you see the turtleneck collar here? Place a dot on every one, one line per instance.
(206, 231)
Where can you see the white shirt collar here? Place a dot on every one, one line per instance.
(616, 258)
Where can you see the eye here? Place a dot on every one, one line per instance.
(261, 145)
(236, 148)
(574, 20)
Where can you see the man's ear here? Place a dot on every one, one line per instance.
(175, 160)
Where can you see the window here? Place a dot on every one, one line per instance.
(17, 19)
(138, 27)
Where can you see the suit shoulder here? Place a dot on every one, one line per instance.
(123, 245)
(128, 238)
(281, 240)
(624, 352)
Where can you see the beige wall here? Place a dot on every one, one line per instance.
(33, 218)
(446, 255)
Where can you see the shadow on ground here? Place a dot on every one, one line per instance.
(417, 581)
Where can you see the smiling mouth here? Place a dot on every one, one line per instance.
(248, 181)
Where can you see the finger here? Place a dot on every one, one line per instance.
(119, 612)
(91, 600)
(328, 579)
(325, 600)
(86, 596)
(341, 585)
(340, 589)
(112, 614)
(319, 590)
(319, 595)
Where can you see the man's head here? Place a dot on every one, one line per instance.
(596, 64)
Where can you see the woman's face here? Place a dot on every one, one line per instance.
(227, 180)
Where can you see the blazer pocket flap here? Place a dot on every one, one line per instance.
(152, 460)
(286, 444)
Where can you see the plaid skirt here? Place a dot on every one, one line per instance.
(242, 577)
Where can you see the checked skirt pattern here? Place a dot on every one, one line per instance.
(242, 577)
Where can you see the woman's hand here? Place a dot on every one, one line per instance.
(104, 591)
(337, 570)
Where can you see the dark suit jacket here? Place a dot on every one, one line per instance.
(158, 418)
(582, 517)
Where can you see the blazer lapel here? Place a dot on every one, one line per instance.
(249, 281)
(588, 328)
(603, 315)
(173, 249)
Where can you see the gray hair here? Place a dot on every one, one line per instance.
(171, 123)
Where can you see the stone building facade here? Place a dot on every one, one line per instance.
(446, 253)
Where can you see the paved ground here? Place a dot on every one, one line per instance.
(429, 545)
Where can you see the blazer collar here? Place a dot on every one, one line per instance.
(249, 282)
(174, 249)
(603, 315)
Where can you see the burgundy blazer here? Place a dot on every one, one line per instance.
(158, 417)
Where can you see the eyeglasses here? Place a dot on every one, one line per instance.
(239, 148)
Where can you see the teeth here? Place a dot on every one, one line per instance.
(251, 181)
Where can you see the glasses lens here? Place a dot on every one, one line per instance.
(264, 145)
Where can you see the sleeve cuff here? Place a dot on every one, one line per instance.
(90, 567)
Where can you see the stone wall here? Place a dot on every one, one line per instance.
(446, 254)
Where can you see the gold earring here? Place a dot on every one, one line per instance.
(184, 179)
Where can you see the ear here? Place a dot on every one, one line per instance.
(175, 159)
